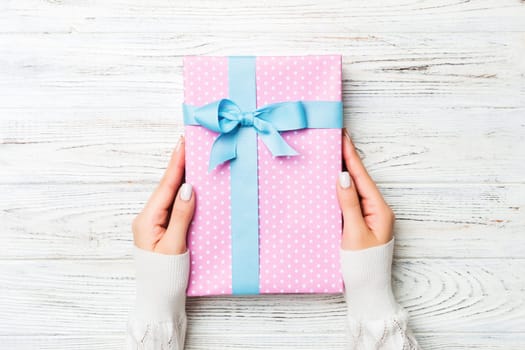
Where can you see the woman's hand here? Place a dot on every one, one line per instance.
(162, 225)
(368, 220)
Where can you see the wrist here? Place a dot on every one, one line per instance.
(161, 282)
(367, 278)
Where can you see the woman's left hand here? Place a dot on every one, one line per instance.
(162, 225)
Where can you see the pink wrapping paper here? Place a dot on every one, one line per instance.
(299, 217)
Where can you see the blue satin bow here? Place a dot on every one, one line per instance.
(226, 117)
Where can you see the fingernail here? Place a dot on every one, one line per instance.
(185, 191)
(344, 179)
(347, 134)
(179, 143)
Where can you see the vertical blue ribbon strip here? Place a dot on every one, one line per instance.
(244, 182)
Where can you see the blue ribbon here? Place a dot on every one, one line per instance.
(238, 124)
(226, 117)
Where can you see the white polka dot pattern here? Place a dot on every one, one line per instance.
(299, 218)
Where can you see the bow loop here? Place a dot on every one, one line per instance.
(226, 117)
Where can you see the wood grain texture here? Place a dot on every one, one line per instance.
(78, 221)
(428, 341)
(121, 145)
(90, 95)
(144, 70)
(93, 297)
(449, 108)
(273, 16)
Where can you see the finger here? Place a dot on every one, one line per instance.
(163, 196)
(366, 187)
(350, 206)
(174, 240)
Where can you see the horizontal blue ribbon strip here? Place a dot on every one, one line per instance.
(238, 123)
(226, 118)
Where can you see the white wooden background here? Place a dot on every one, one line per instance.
(90, 94)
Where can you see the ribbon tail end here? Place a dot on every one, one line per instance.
(213, 165)
(289, 151)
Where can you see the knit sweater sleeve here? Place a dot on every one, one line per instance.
(158, 320)
(374, 319)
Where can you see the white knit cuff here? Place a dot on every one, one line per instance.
(161, 285)
(367, 278)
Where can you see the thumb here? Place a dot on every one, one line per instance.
(355, 229)
(174, 239)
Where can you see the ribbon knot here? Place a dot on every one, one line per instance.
(247, 118)
(226, 117)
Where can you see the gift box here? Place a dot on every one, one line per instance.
(263, 153)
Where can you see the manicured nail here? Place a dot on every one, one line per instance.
(347, 134)
(344, 179)
(185, 192)
(179, 143)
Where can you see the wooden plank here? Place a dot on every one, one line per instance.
(385, 72)
(280, 340)
(468, 341)
(428, 109)
(288, 17)
(80, 221)
(86, 297)
(456, 146)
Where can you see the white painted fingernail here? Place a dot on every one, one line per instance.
(179, 143)
(347, 134)
(185, 191)
(344, 179)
